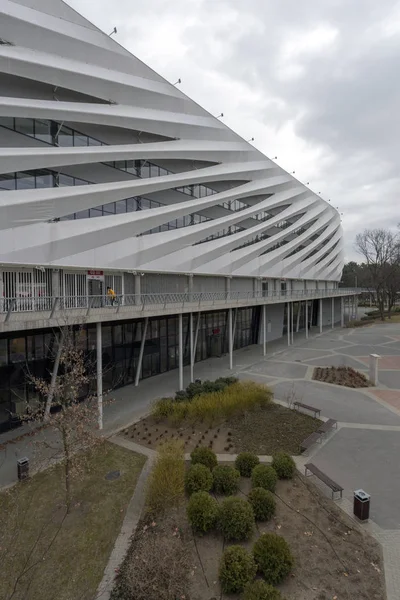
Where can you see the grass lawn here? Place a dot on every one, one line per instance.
(31, 513)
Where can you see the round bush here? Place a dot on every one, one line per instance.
(236, 519)
(226, 479)
(202, 511)
(245, 463)
(236, 569)
(263, 504)
(198, 479)
(264, 476)
(273, 557)
(284, 465)
(204, 456)
(259, 590)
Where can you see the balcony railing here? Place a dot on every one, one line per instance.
(51, 307)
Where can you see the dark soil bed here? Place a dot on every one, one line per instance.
(346, 376)
(334, 558)
(263, 431)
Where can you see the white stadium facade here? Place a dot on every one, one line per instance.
(111, 177)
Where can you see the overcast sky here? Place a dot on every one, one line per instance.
(316, 83)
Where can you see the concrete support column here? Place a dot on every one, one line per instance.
(99, 361)
(298, 317)
(306, 319)
(180, 351)
(55, 284)
(333, 314)
(49, 399)
(288, 323)
(228, 287)
(230, 327)
(191, 348)
(141, 351)
(138, 293)
(356, 306)
(342, 311)
(320, 315)
(264, 330)
(190, 286)
(292, 323)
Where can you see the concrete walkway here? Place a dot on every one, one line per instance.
(363, 451)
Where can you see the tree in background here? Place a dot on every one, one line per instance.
(380, 249)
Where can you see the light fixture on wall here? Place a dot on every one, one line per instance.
(219, 116)
(113, 31)
(176, 82)
(251, 140)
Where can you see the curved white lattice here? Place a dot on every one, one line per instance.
(128, 173)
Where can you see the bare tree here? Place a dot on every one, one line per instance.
(380, 249)
(74, 421)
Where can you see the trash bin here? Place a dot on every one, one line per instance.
(362, 502)
(23, 468)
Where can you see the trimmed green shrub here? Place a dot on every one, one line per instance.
(264, 476)
(236, 519)
(198, 478)
(236, 569)
(226, 480)
(202, 511)
(273, 557)
(245, 463)
(284, 465)
(259, 590)
(204, 456)
(263, 503)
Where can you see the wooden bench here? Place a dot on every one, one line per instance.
(309, 441)
(327, 426)
(335, 487)
(316, 411)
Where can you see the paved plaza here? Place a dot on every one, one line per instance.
(363, 451)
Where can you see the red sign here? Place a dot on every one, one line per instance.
(98, 275)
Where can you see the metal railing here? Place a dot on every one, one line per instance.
(142, 302)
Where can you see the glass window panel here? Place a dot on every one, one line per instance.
(93, 142)
(44, 179)
(131, 205)
(25, 181)
(145, 170)
(121, 206)
(109, 208)
(180, 222)
(120, 164)
(43, 131)
(145, 203)
(3, 352)
(65, 137)
(78, 181)
(17, 350)
(24, 126)
(7, 181)
(154, 171)
(83, 214)
(7, 122)
(80, 139)
(65, 180)
(96, 212)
